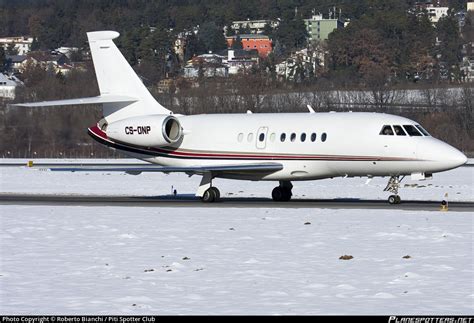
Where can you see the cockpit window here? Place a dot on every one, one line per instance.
(423, 131)
(387, 131)
(412, 131)
(399, 131)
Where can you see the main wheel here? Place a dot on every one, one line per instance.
(217, 194)
(209, 196)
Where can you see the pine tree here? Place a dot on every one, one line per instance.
(237, 43)
(212, 37)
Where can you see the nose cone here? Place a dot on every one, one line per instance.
(441, 155)
(456, 157)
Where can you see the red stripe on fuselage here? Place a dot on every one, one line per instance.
(170, 153)
(98, 132)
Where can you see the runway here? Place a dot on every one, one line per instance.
(190, 201)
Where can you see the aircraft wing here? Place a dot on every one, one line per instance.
(191, 170)
(93, 100)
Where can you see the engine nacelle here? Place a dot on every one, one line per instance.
(149, 131)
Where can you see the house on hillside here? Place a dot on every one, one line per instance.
(67, 51)
(240, 61)
(54, 61)
(470, 6)
(181, 41)
(262, 43)
(21, 44)
(16, 63)
(302, 64)
(253, 26)
(8, 86)
(206, 65)
(435, 9)
(319, 28)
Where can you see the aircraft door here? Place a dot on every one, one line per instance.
(262, 137)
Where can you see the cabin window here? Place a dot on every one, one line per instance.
(240, 137)
(250, 137)
(386, 131)
(412, 131)
(303, 137)
(272, 137)
(293, 137)
(423, 131)
(324, 137)
(283, 137)
(399, 131)
(313, 137)
(261, 137)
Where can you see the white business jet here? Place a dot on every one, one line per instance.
(283, 147)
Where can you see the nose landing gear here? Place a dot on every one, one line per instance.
(283, 192)
(394, 199)
(393, 187)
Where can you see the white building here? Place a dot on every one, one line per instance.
(436, 13)
(240, 61)
(206, 65)
(67, 51)
(470, 6)
(22, 44)
(8, 85)
(17, 63)
(254, 26)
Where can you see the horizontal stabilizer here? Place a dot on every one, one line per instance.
(244, 168)
(81, 101)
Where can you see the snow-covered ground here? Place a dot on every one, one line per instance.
(458, 184)
(141, 260)
(77, 260)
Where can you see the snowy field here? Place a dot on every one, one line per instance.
(102, 260)
(114, 260)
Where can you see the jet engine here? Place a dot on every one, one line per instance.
(149, 131)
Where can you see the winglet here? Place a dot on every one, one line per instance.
(102, 35)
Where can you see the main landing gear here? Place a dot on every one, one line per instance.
(393, 186)
(283, 192)
(206, 191)
(212, 194)
(209, 194)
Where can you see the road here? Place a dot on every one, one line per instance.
(191, 201)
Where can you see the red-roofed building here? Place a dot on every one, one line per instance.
(262, 43)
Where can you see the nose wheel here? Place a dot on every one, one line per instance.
(283, 192)
(394, 199)
(393, 186)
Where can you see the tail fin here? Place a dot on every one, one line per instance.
(122, 93)
(117, 78)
